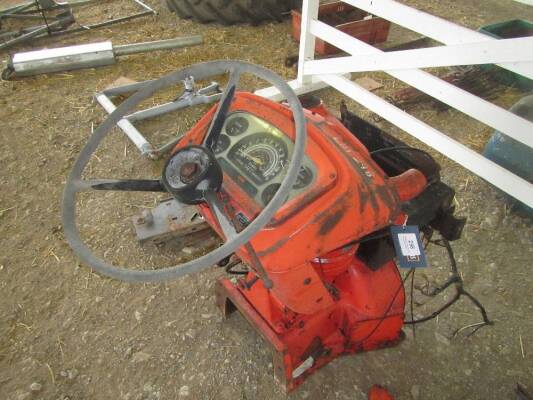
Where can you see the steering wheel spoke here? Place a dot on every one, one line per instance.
(217, 123)
(186, 174)
(121, 185)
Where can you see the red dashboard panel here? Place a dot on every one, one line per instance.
(238, 189)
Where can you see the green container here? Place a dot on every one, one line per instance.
(507, 30)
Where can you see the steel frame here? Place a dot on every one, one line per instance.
(462, 46)
(61, 21)
(191, 97)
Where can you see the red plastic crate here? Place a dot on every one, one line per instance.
(347, 19)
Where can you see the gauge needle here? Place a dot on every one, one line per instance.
(256, 160)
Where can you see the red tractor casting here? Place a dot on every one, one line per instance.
(303, 199)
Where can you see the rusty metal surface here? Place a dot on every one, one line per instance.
(171, 220)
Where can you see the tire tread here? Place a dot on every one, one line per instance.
(228, 12)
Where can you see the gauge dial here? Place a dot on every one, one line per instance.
(269, 192)
(237, 126)
(261, 156)
(222, 144)
(305, 177)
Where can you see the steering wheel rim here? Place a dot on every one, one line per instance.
(75, 183)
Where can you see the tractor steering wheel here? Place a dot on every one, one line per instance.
(205, 189)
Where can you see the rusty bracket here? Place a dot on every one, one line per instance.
(171, 220)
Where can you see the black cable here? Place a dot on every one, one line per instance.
(229, 268)
(435, 313)
(41, 11)
(455, 279)
(402, 148)
(412, 308)
(385, 314)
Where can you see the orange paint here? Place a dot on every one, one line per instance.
(324, 301)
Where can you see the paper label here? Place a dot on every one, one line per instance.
(409, 244)
(409, 249)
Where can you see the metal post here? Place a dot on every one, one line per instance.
(428, 25)
(498, 118)
(307, 40)
(465, 46)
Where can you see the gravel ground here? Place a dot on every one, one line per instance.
(67, 333)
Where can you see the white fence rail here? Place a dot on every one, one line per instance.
(462, 46)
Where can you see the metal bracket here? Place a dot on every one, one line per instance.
(171, 220)
(190, 97)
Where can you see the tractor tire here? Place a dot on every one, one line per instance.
(229, 12)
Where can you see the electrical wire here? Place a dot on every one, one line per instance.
(41, 11)
(229, 268)
(427, 238)
(413, 326)
(385, 314)
(402, 148)
(456, 280)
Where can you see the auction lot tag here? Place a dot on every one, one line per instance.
(408, 246)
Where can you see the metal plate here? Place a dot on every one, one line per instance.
(171, 220)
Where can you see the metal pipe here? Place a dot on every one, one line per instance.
(21, 31)
(46, 33)
(206, 95)
(127, 127)
(61, 22)
(173, 106)
(16, 9)
(129, 88)
(26, 16)
(22, 8)
(84, 28)
(145, 6)
(190, 97)
(175, 43)
(78, 3)
(85, 56)
(62, 59)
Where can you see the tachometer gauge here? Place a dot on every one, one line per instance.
(261, 156)
(222, 144)
(236, 126)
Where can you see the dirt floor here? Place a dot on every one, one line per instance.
(67, 333)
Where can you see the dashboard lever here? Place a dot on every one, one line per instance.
(229, 231)
(218, 212)
(258, 266)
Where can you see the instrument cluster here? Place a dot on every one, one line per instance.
(255, 154)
